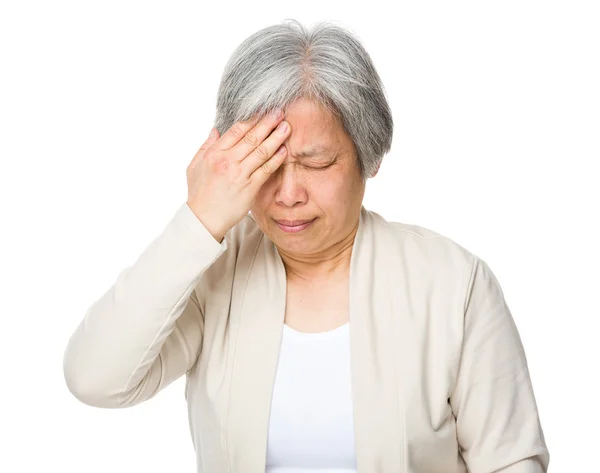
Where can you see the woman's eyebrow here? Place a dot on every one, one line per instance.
(311, 151)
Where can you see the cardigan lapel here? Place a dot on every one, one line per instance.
(378, 419)
(377, 414)
(256, 355)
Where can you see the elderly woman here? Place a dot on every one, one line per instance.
(315, 336)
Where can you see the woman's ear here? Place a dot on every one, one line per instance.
(376, 170)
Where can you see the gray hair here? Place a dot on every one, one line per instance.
(281, 63)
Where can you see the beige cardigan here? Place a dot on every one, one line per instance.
(439, 376)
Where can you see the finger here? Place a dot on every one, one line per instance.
(264, 171)
(255, 137)
(237, 131)
(266, 149)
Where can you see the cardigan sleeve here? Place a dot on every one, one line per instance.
(146, 330)
(497, 422)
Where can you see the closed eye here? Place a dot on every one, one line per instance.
(320, 168)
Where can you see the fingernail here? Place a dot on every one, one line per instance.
(282, 127)
(212, 133)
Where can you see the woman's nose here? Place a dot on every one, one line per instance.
(290, 189)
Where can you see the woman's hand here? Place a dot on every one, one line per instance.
(228, 171)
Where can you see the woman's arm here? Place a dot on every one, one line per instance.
(146, 330)
(497, 421)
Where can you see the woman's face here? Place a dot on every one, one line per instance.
(319, 180)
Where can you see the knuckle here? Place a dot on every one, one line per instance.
(267, 167)
(251, 139)
(237, 130)
(220, 166)
(262, 152)
(238, 178)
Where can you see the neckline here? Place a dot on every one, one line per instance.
(316, 336)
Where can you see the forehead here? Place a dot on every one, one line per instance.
(315, 132)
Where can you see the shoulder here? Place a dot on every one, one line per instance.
(420, 248)
(433, 264)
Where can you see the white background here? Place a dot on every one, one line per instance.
(496, 145)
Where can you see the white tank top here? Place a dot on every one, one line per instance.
(311, 428)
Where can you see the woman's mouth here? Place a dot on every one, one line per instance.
(294, 226)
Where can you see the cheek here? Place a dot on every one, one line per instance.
(264, 193)
(329, 183)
